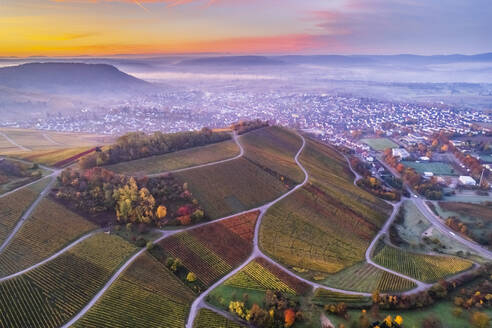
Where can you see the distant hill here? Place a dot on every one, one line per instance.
(232, 61)
(70, 78)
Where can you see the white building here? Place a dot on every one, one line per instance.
(428, 174)
(400, 152)
(467, 180)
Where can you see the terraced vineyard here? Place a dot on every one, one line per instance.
(275, 148)
(211, 251)
(50, 228)
(51, 156)
(14, 205)
(324, 296)
(327, 225)
(210, 319)
(261, 275)
(428, 268)
(50, 295)
(178, 160)
(232, 187)
(364, 277)
(146, 295)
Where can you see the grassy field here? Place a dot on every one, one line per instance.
(231, 187)
(275, 148)
(209, 319)
(50, 227)
(364, 277)
(50, 295)
(437, 168)
(37, 140)
(327, 225)
(178, 160)
(477, 217)
(14, 205)
(379, 144)
(427, 268)
(146, 295)
(414, 318)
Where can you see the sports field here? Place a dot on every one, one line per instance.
(438, 168)
(379, 144)
(178, 160)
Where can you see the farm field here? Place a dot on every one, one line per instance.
(146, 295)
(209, 319)
(262, 275)
(327, 225)
(14, 205)
(231, 187)
(51, 156)
(364, 277)
(50, 295)
(437, 168)
(37, 140)
(274, 148)
(50, 228)
(379, 144)
(178, 160)
(324, 296)
(211, 251)
(427, 268)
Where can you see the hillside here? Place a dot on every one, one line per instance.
(71, 78)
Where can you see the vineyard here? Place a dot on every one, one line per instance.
(275, 148)
(364, 277)
(209, 319)
(232, 187)
(327, 225)
(178, 160)
(242, 225)
(14, 205)
(261, 275)
(50, 295)
(51, 156)
(428, 268)
(50, 228)
(324, 296)
(206, 264)
(151, 296)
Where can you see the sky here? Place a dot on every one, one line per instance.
(108, 27)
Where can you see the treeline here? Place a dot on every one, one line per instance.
(137, 145)
(246, 126)
(157, 201)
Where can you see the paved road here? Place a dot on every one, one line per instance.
(14, 143)
(437, 222)
(241, 154)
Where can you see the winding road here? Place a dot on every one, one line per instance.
(14, 143)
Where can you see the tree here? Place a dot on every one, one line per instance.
(191, 277)
(289, 317)
(480, 320)
(161, 212)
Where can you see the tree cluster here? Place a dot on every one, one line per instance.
(246, 126)
(9, 168)
(277, 311)
(137, 145)
(156, 201)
